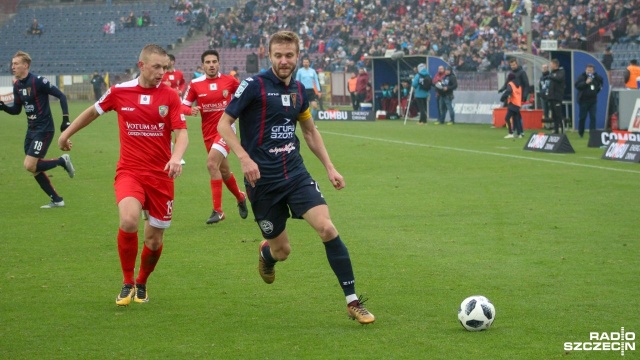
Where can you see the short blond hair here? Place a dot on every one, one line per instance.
(24, 56)
(151, 49)
(285, 37)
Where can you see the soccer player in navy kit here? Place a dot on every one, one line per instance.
(32, 92)
(269, 106)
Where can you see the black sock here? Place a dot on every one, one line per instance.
(340, 262)
(45, 184)
(266, 255)
(44, 165)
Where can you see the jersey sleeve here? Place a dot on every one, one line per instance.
(246, 92)
(178, 121)
(107, 102)
(191, 95)
(51, 89)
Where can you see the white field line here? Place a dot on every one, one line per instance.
(484, 153)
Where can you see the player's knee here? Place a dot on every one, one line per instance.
(327, 230)
(30, 167)
(281, 253)
(129, 223)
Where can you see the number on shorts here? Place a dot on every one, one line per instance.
(169, 207)
(37, 145)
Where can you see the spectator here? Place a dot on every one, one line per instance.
(437, 78)
(36, 28)
(588, 85)
(513, 97)
(386, 98)
(146, 19)
(97, 81)
(607, 59)
(129, 21)
(445, 88)
(422, 84)
(361, 84)
(544, 91)
(351, 84)
(632, 75)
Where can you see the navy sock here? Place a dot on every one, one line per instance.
(266, 255)
(45, 184)
(44, 165)
(340, 262)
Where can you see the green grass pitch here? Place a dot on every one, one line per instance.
(430, 215)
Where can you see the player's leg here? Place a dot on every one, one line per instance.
(230, 182)
(214, 159)
(35, 148)
(306, 199)
(271, 214)
(129, 197)
(159, 206)
(339, 260)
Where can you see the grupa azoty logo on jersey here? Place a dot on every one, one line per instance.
(621, 341)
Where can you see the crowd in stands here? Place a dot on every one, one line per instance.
(472, 35)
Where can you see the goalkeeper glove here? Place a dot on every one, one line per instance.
(65, 123)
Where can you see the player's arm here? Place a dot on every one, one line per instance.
(188, 101)
(180, 147)
(316, 85)
(63, 105)
(14, 109)
(249, 167)
(84, 119)
(316, 144)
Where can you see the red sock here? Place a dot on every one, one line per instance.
(128, 251)
(232, 185)
(216, 193)
(148, 261)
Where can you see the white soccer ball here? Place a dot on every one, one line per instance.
(476, 313)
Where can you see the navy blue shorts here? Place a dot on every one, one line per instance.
(311, 95)
(271, 203)
(36, 143)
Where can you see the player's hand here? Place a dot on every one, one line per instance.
(336, 179)
(174, 168)
(65, 123)
(250, 170)
(64, 143)
(195, 111)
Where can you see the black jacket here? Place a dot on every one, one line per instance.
(521, 80)
(556, 84)
(450, 82)
(588, 92)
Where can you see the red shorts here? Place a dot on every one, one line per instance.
(155, 193)
(218, 143)
(215, 141)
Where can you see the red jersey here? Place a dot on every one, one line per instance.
(212, 96)
(176, 78)
(146, 117)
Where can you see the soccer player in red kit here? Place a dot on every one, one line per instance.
(148, 111)
(213, 92)
(174, 78)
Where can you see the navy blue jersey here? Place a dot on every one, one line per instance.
(33, 93)
(268, 113)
